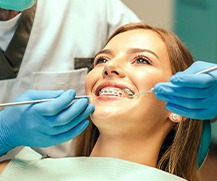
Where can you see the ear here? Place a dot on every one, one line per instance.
(176, 118)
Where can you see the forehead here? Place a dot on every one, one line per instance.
(139, 38)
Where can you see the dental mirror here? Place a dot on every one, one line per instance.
(130, 94)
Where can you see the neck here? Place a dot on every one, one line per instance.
(7, 14)
(133, 148)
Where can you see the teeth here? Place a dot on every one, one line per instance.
(111, 92)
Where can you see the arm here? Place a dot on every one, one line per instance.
(190, 95)
(43, 124)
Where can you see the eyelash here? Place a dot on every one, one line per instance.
(98, 59)
(141, 57)
(138, 57)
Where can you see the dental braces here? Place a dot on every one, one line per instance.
(117, 93)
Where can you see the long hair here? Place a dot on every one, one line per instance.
(178, 154)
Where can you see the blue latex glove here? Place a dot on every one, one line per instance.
(189, 95)
(43, 124)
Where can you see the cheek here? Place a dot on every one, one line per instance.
(91, 80)
(146, 79)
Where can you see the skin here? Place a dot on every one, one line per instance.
(7, 14)
(130, 129)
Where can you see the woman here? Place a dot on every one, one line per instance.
(137, 56)
(136, 134)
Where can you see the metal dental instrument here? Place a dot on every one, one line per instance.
(125, 91)
(39, 101)
(130, 95)
(207, 70)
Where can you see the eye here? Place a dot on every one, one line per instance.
(100, 60)
(140, 59)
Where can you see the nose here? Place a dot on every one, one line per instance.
(114, 68)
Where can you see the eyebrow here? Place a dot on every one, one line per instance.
(140, 50)
(105, 51)
(131, 51)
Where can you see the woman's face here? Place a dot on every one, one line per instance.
(136, 60)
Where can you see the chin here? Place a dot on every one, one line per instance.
(102, 115)
(106, 114)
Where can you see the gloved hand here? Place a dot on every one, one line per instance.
(190, 95)
(43, 124)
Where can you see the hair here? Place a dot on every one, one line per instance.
(179, 151)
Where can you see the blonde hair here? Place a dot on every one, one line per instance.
(178, 153)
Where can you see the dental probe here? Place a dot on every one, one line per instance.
(130, 95)
(207, 70)
(126, 92)
(39, 101)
